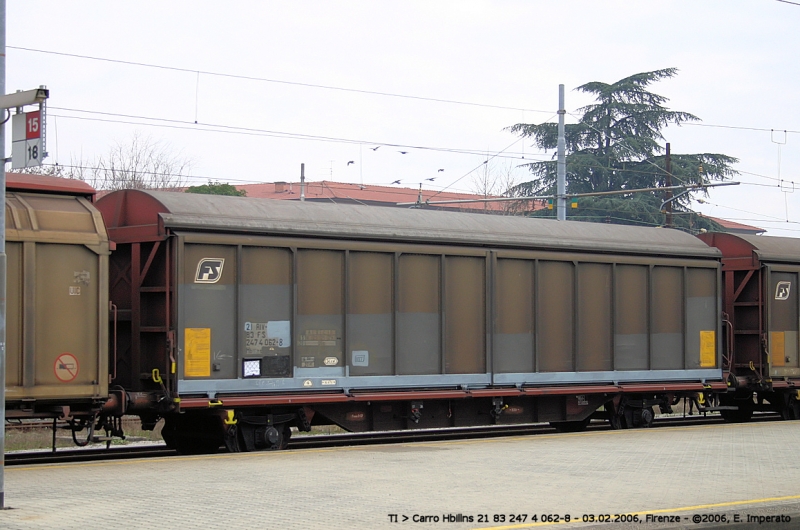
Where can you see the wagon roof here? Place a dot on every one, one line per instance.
(44, 183)
(765, 248)
(187, 211)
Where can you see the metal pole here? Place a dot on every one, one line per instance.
(668, 193)
(302, 182)
(2, 258)
(561, 206)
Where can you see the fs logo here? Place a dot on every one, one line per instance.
(782, 290)
(209, 270)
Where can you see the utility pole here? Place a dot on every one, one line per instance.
(302, 182)
(668, 193)
(561, 201)
(2, 261)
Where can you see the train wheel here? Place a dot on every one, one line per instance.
(646, 417)
(278, 437)
(791, 408)
(570, 426)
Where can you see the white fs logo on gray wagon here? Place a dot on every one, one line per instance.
(209, 270)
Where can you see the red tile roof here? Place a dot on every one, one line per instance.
(732, 226)
(389, 196)
(367, 194)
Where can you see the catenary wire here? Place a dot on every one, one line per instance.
(248, 131)
(258, 132)
(278, 81)
(704, 201)
(345, 89)
(738, 127)
(206, 127)
(282, 134)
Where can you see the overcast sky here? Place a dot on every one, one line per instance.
(738, 60)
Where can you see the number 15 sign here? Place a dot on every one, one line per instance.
(27, 139)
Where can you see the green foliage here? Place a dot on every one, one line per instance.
(216, 188)
(640, 209)
(617, 146)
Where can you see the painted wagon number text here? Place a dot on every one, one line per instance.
(262, 341)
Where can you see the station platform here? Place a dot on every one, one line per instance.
(717, 476)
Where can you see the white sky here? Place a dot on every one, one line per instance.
(738, 60)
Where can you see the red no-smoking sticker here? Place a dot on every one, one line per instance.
(66, 367)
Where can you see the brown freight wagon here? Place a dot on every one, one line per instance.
(238, 318)
(762, 312)
(57, 300)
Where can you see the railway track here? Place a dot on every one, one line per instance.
(347, 439)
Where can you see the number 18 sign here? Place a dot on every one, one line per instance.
(27, 139)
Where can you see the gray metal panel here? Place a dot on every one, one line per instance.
(262, 308)
(514, 338)
(320, 371)
(331, 382)
(630, 351)
(513, 352)
(465, 310)
(783, 305)
(318, 341)
(667, 308)
(631, 317)
(634, 376)
(418, 343)
(373, 334)
(594, 310)
(208, 212)
(667, 351)
(213, 386)
(212, 306)
(555, 316)
(790, 349)
(701, 313)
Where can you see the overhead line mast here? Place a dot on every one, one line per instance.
(561, 209)
(2, 257)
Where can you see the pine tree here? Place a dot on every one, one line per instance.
(617, 145)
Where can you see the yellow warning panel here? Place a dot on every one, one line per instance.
(777, 348)
(708, 349)
(197, 342)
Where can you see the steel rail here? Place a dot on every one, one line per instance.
(321, 441)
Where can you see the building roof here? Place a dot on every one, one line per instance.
(345, 193)
(737, 228)
(341, 192)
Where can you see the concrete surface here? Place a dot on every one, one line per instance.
(733, 469)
